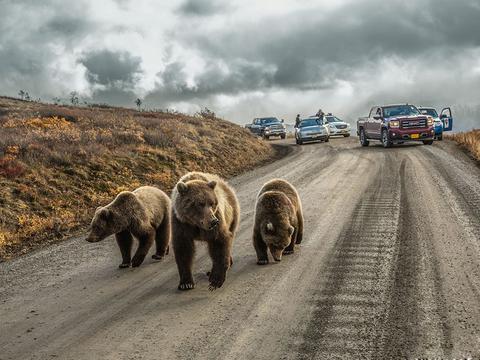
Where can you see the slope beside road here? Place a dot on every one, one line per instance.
(389, 267)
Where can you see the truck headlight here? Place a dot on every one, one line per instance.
(429, 121)
(394, 124)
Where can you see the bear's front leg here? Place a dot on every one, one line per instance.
(221, 256)
(260, 248)
(184, 250)
(125, 241)
(145, 243)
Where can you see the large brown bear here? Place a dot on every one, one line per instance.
(278, 221)
(204, 208)
(143, 213)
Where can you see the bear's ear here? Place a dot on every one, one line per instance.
(291, 229)
(182, 187)
(212, 184)
(270, 227)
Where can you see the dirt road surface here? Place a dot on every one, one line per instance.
(389, 267)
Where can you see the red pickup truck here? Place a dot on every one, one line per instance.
(395, 124)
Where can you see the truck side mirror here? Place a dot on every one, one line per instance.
(377, 117)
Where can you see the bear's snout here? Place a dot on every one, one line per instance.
(214, 223)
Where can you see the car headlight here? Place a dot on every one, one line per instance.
(429, 121)
(394, 124)
(267, 128)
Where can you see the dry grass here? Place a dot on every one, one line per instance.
(469, 140)
(57, 164)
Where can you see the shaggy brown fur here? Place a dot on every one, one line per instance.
(143, 214)
(278, 221)
(204, 208)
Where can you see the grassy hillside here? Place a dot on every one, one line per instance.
(58, 163)
(469, 140)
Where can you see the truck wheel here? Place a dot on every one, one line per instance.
(440, 137)
(386, 142)
(363, 138)
(346, 135)
(266, 137)
(299, 142)
(282, 136)
(427, 142)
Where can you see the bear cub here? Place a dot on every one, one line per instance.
(204, 208)
(278, 221)
(144, 214)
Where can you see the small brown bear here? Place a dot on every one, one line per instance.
(204, 208)
(144, 214)
(278, 221)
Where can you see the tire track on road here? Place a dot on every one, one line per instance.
(349, 311)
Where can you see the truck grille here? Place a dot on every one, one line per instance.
(414, 124)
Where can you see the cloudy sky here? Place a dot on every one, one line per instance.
(246, 58)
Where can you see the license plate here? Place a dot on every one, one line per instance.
(415, 136)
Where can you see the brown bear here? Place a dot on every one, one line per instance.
(144, 214)
(278, 221)
(204, 208)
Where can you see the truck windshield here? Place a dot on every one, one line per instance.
(400, 110)
(309, 122)
(269, 120)
(431, 112)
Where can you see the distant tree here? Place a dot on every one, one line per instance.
(74, 98)
(21, 93)
(138, 102)
(27, 96)
(56, 100)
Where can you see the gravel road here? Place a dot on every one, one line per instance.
(389, 267)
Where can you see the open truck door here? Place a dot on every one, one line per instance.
(447, 119)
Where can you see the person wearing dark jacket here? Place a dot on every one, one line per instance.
(297, 120)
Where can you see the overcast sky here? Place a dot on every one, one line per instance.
(245, 58)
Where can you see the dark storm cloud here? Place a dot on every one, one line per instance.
(33, 35)
(112, 68)
(215, 79)
(201, 7)
(308, 50)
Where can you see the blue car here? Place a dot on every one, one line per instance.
(442, 123)
(311, 129)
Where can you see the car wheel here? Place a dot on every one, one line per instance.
(346, 135)
(299, 142)
(427, 142)
(440, 137)
(283, 136)
(385, 140)
(327, 139)
(363, 138)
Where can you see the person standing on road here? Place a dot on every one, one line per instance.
(297, 120)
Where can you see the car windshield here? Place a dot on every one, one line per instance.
(431, 112)
(400, 110)
(309, 122)
(333, 119)
(269, 120)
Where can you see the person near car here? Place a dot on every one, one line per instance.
(297, 120)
